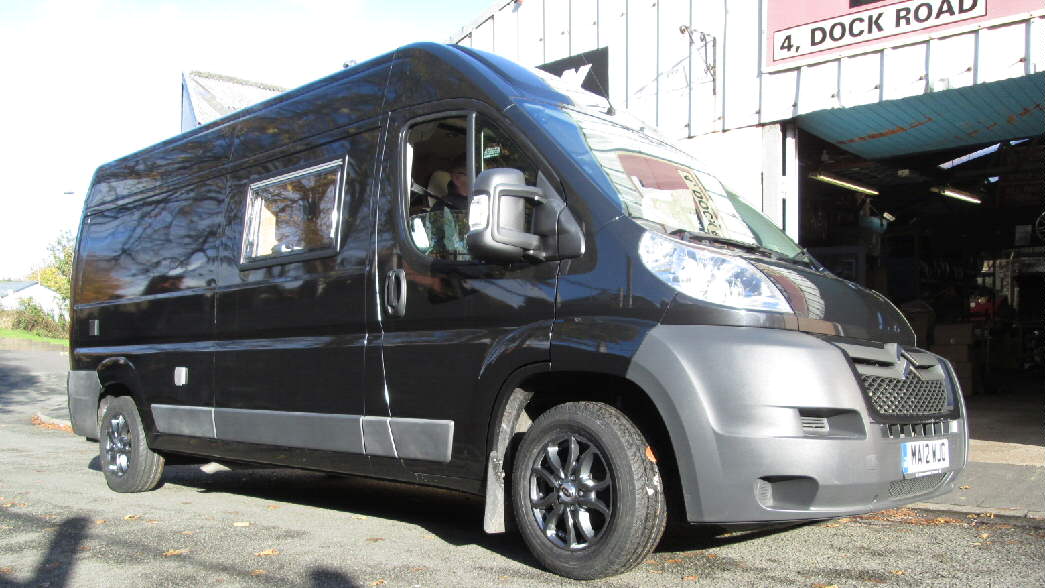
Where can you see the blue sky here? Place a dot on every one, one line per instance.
(87, 81)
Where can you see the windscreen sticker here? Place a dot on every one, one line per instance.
(679, 197)
(702, 200)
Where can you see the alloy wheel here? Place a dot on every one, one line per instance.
(571, 492)
(118, 445)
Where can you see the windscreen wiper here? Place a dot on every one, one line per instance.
(691, 236)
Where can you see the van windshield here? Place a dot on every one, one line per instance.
(660, 185)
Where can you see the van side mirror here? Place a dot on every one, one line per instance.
(509, 221)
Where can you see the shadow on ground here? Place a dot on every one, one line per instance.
(56, 565)
(454, 517)
(1012, 412)
(19, 387)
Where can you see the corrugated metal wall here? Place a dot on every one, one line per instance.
(692, 67)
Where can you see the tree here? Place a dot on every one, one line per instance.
(57, 270)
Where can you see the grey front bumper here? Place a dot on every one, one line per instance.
(733, 400)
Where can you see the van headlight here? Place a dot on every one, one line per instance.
(706, 275)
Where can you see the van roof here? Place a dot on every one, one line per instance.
(422, 72)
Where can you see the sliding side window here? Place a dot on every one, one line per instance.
(292, 216)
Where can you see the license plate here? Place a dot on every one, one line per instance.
(919, 457)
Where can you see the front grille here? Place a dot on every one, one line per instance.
(911, 486)
(910, 396)
(900, 383)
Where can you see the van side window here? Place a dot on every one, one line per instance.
(293, 213)
(437, 159)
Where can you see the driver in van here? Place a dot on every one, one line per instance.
(457, 188)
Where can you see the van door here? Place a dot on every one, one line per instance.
(451, 327)
(290, 313)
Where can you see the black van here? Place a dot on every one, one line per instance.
(443, 268)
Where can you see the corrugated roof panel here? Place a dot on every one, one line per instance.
(940, 120)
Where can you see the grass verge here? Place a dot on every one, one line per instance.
(16, 334)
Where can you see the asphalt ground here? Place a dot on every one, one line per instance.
(61, 526)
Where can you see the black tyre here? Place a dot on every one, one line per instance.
(588, 501)
(126, 460)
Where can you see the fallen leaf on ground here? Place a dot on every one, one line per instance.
(84, 548)
(171, 552)
(825, 585)
(377, 582)
(132, 517)
(650, 561)
(100, 521)
(272, 506)
(673, 561)
(656, 572)
(689, 578)
(258, 572)
(417, 569)
(907, 515)
(152, 521)
(984, 535)
(712, 556)
(375, 539)
(897, 572)
(6, 570)
(267, 552)
(966, 487)
(241, 524)
(52, 426)
(359, 517)
(186, 532)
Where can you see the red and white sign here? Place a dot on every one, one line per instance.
(805, 31)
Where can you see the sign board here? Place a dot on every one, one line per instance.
(806, 31)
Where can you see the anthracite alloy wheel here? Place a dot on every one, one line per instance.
(571, 493)
(588, 499)
(126, 460)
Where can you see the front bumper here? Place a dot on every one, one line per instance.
(772, 425)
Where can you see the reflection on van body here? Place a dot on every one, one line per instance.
(443, 268)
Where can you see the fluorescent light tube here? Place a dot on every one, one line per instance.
(843, 183)
(958, 194)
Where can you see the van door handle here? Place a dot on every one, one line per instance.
(395, 292)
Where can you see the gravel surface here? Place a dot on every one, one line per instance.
(60, 525)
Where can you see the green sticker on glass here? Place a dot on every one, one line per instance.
(491, 152)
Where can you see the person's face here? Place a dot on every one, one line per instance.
(461, 180)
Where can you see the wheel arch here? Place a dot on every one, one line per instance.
(531, 391)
